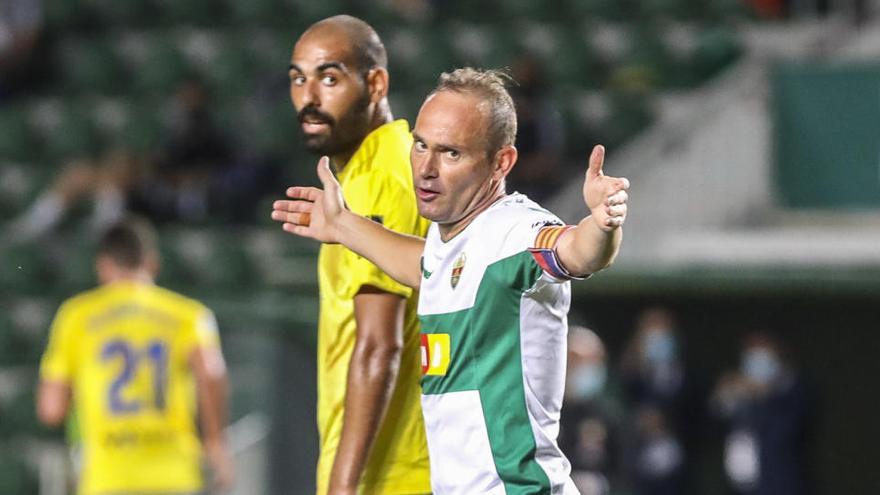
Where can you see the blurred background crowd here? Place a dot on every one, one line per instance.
(730, 350)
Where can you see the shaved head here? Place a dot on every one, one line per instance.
(364, 45)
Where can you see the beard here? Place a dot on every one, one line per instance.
(345, 134)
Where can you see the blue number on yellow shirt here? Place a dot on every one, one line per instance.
(156, 355)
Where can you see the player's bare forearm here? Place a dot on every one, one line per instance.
(212, 389)
(586, 248)
(53, 402)
(372, 375)
(394, 253)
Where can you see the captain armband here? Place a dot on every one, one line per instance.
(544, 252)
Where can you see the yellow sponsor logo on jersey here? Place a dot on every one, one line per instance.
(435, 354)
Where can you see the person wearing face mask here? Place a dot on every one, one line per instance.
(589, 425)
(765, 408)
(660, 393)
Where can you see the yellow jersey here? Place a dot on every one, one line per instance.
(376, 183)
(124, 349)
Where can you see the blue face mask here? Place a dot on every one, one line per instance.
(587, 380)
(760, 365)
(659, 347)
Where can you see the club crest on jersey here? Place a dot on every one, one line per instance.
(435, 354)
(457, 268)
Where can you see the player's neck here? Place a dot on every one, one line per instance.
(140, 276)
(450, 230)
(381, 116)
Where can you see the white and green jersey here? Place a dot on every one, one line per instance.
(493, 355)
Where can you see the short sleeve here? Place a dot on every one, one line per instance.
(389, 201)
(58, 361)
(200, 332)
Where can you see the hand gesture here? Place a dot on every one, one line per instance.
(312, 212)
(605, 196)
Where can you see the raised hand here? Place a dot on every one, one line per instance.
(605, 196)
(312, 212)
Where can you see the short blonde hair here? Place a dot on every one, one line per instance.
(490, 86)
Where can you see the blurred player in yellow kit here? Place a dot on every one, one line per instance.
(372, 436)
(137, 362)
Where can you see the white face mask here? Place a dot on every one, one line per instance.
(586, 381)
(659, 347)
(760, 365)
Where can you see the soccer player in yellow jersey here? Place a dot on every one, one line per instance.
(372, 437)
(137, 361)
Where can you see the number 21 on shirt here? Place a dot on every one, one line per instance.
(133, 359)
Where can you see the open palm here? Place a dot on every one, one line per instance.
(312, 212)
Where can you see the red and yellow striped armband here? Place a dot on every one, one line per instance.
(544, 251)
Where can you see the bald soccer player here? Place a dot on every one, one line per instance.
(372, 436)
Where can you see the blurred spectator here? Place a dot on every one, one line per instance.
(659, 393)
(589, 425)
(658, 456)
(21, 25)
(765, 407)
(103, 179)
(540, 135)
(196, 171)
(195, 153)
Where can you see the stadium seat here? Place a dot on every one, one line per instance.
(190, 12)
(128, 13)
(416, 58)
(67, 15)
(310, 11)
(15, 475)
(66, 130)
(716, 48)
(547, 10)
(155, 63)
(205, 257)
(258, 12)
(142, 131)
(17, 187)
(89, 65)
(16, 140)
(229, 74)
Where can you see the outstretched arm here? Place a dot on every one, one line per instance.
(593, 244)
(321, 215)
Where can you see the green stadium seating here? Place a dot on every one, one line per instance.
(258, 12)
(66, 130)
(230, 73)
(157, 65)
(61, 15)
(89, 65)
(716, 48)
(15, 476)
(190, 12)
(123, 12)
(16, 140)
(309, 11)
(18, 183)
(141, 131)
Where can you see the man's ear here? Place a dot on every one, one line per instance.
(377, 84)
(505, 159)
(152, 263)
